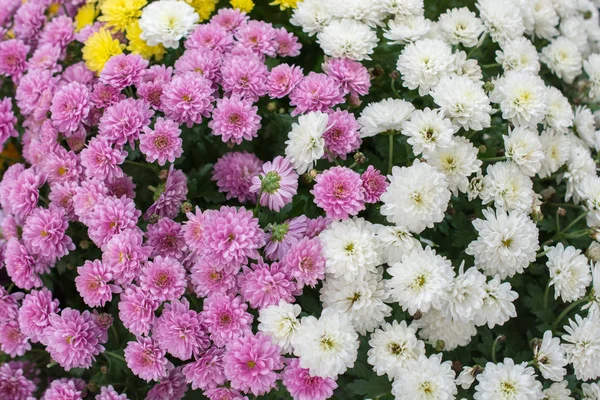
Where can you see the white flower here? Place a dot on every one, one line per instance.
(556, 148)
(466, 296)
(391, 346)
(463, 101)
(574, 29)
(350, 248)
(468, 68)
(281, 323)
(457, 162)
(498, 304)
(423, 63)
(593, 306)
(425, 379)
(580, 165)
(519, 55)
(591, 391)
(416, 198)
(427, 130)
(460, 25)
(585, 127)
(508, 381)
(582, 344)
(384, 116)
(592, 69)
(507, 187)
(475, 186)
(550, 358)
(563, 58)
(502, 21)
(590, 193)
(395, 241)
(420, 281)
(401, 8)
(166, 22)
(524, 148)
(348, 38)
(467, 377)
(526, 11)
(545, 19)
(366, 12)
(305, 144)
(522, 98)
(407, 29)
(312, 16)
(326, 346)
(560, 113)
(362, 300)
(565, 8)
(506, 244)
(434, 326)
(569, 272)
(558, 391)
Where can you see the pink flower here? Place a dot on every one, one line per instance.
(109, 393)
(62, 165)
(210, 37)
(265, 285)
(187, 98)
(25, 193)
(164, 279)
(224, 393)
(9, 180)
(193, 230)
(100, 160)
(44, 234)
(374, 184)
(339, 192)
(206, 372)
(87, 196)
(21, 267)
(286, 43)
(229, 18)
(12, 341)
(58, 32)
(207, 279)
(226, 318)
(122, 186)
(45, 57)
(343, 135)
(258, 36)
(316, 92)
(70, 107)
(351, 75)
(111, 216)
(9, 309)
(92, 283)
(7, 121)
(136, 310)
(305, 262)
(173, 387)
(124, 254)
(122, 122)
(202, 61)
(235, 120)
(123, 70)
(35, 312)
(277, 183)
(280, 237)
(35, 92)
(245, 76)
(8, 10)
(283, 79)
(104, 96)
(14, 385)
(163, 143)
(302, 386)
(250, 363)
(79, 73)
(151, 93)
(61, 195)
(29, 20)
(234, 172)
(13, 56)
(165, 238)
(170, 196)
(62, 389)
(146, 359)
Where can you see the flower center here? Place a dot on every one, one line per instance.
(161, 142)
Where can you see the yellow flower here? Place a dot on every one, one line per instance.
(85, 16)
(99, 48)
(53, 9)
(119, 14)
(139, 46)
(243, 5)
(283, 4)
(204, 8)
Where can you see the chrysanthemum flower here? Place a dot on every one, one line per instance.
(210, 37)
(100, 160)
(124, 254)
(165, 238)
(93, 285)
(245, 76)
(21, 267)
(136, 310)
(111, 216)
(119, 14)
(169, 195)
(12, 341)
(283, 79)
(109, 393)
(225, 318)
(99, 48)
(166, 22)
(235, 120)
(13, 56)
(187, 98)
(35, 311)
(123, 70)
(316, 92)
(173, 386)
(339, 192)
(263, 285)
(163, 278)
(14, 384)
(209, 278)
(137, 45)
(70, 107)
(7, 120)
(276, 184)
(146, 359)
(280, 237)
(202, 61)
(206, 372)
(305, 262)
(122, 122)
(44, 234)
(234, 172)
(303, 386)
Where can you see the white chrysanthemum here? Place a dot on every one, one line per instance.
(435, 327)
(425, 379)
(466, 377)
(350, 249)
(420, 281)
(466, 296)
(558, 391)
(312, 16)
(457, 162)
(407, 29)
(395, 241)
(556, 148)
(475, 186)
(526, 11)
(460, 25)
(498, 304)
(508, 381)
(166, 22)
(590, 193)
(506, 244)
(593, 306)
(503, 22)
(523, 147)
(305, 144)
(564, 59)
(423, 63)
(507, 187)
(362, 300)
(569, 272)
(464, 102)
(326, 346)
(582, 344)
(348, 38)
(591, 391)
(391, 346)
(559, 116)
(427, 130)
(522, 98)
(545, 19)
(550, 358)
(565, 8)
(580, 165)
(519, 55)
(592, 69)
(281, 323)
(401, 8)
(416, 198)
(584, 125)
(366, 12)
(574, 29)
(468, 68)
(384, 116)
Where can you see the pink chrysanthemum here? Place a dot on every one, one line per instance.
(286, 43)
(179, 331)
(7, 121)
(168, 197)
(9, 228)
(14, 385)
(352, 76)
(136, 310)
(79, 73)
(157, 73)
(62, 389)
(74, 338)
(245, 76)
(316, 92)
(123, 70)
(122, 186)
(58, 32)
(9, 179)
(25, 193)
(233, 173)
(87, 196)
(224, 393)
(104, 96)
(29, 20)
(35, 92)
(280, 237)
(193, 230)
(153, 81)
(250, 363)
(235, 120)
(374, 183)
(124, 256)
(12, 341)
(206, 372)
(21, 267)
(210, 37)
(34, 314)
(277, 183)
(161, 143)
(62, 165)
(229, 18)
(226, 318)
(265, 285)
(283, 79)
(202, 61)
(100, 160)
(109, 393)
(111, 216)
(339, 192)
(258, 36)
(173, 387)
(303, 386)
(8, 10)
(208, 278)
(13, 58)
(165, 238)
(47, 57)
(9, 308)
(146, 359)
(61, 195)
(70, 106)
(305, 262)
(164, 279)
(343, 135)
(92, 283)
(122, 122)
(187, 98)
(44, 234)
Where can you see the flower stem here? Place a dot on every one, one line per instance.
(391, 155)
(546, 294)
(567, 310)
(486, 66)
(490, 159)
(115, 355)
(495, 347)
(140, 164)
(575, 221)
(393, 86)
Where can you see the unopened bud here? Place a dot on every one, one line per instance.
(595, 234)
(104, 369)
(587, 15)
(482, 148)
(84, 244)
(501, 339)
(440, 345)
(92, 387)
(394, 75)
(272, 106)
(104, 320)
(359, 158)
(418, 315)
(548, 193)
(313, 173)
(457, 366)
(163, 174)
(489, 86)
(451, 210)
(593, 252)
(154, 218)
(561, 211)
(186, 207)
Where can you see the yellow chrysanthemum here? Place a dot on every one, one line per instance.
(99, 48)
(139, 46)
(119, 14)
(85, 16)
(204, 8)
(283, 4)
(243, 5)
(53, 8)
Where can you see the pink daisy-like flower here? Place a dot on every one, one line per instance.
(151, 92)
(7, 121)
(104, 96)
(173, 387)
(109, 393)
(58, 32)
(164, 279)
(28, 21)
(316, 92)
(229, 18)
(8, 10)
(193, 230)
(281, 237)
(122, 186)
(87, 196)
(70, 107)
(258, 36)
(79, 73)
(157, 73)
(63, 389)
(226, 318)
(374, 183)
(124, 254)
(339, 192)
(136, 310)
(233, 173)
(210, 37)
(283, 79)
(265, 285)
(202, 61)
(9, 307)
(25, 193)
(61, 195)
(111, 216)
(44, 234)
(303, 386)
(62, 165)
(245, 76)
(9, 228)
(34, 314)
(123, 70)
(352, 76)
(161, 143)
(179, 330)
(92, 283)
(277, 184)
(168, 197)
(74, 338)
(21, 267)
(343, 135)
(305, 262)
(286, 43)
(45, 57)
(187, 98)
(12, 341)
(165, 238)
(206, 372)
(250, 363)
(146, 359)
(35, 92)
(13, 58)
(9, 180)
(122, 122)
(100, 160)
(208, 278)
(235, 120)
(14, 385)
(224, 393)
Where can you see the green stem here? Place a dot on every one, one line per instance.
(393, 86)
(333, 157)
(567, 310)
(490, 159)
(495, 348)
(486, 66)
(575, 221)
(141, 165)
(257, 206)
(391, 155)
(577, 234)
(542, 253)
(115, 355)
(546, 294)
(558, 220)
(564, 205)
